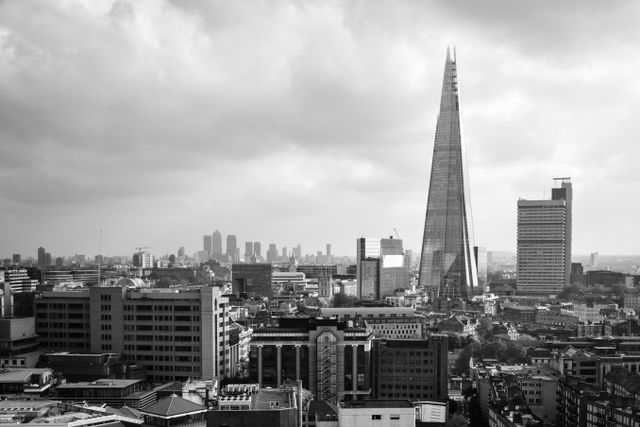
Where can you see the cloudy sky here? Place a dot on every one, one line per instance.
(308, 122)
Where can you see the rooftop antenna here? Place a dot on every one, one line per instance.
(99, 255)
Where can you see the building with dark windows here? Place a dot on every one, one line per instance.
(413, 369)
(447, 264)
(232, 248)
(257, 250)
(41, 256)
(251, 279)
(173, 334)
(317, 271)
(207, 245)
(331, 357)
(381, 268)
(544, 242)
(248, 251)
(216, 245)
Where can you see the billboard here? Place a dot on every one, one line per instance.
(431, 412)
(392, 261)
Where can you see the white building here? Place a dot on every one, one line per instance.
(377, 413)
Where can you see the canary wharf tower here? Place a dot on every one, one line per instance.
(447, 264)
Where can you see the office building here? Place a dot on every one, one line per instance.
(16, 259)
(544, 242)
(367, 268)
(181, 252)
(328, 252)
(446, 264)
(272, 253)
(297, 252)
(257, 250)
(381, 267)
(413, 369)
(216, 245)
(41, 254)
(173, 334)
(207, 244)
(248, 251)
(394, 272)
(313, 271)
(142, 259)
(330, 357)
(232, 248)
(482, 266)
(251, 279)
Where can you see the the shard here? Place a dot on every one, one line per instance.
(447, 265)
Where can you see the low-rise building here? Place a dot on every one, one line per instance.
(116, 393)
(379, 413)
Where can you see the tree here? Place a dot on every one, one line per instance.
(485, 328)
(619, 289)
(457, 420)
(342, 300)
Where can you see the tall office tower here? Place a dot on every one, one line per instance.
(232, 248)
(16, 259)
(328, 252)
(447, 265)
(248, 251)
(544, 242)
(368, 268)
(482, 267)
(272, 253)
(181, 252)
(257, 250)
(48, 259)
(394, 272)
(143, 260)
(41, 254)
(284, 253)
(216, 245)
(297, 252)
(207, 245)
(593, 259)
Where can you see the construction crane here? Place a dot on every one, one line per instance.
(396, 231)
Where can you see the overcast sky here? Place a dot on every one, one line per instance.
(308, 122)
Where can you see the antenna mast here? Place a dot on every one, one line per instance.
(99, 255)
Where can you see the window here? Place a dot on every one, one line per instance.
(376, 417)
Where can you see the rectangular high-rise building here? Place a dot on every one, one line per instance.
(248, 251)
(380, 268)
(482, 266)
(544, 242)
(216, 245)
(232, 248)
(207, 244)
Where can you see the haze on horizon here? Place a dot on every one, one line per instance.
(310, 122)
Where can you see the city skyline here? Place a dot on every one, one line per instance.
(295, 124)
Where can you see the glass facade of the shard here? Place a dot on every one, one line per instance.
(447, 263)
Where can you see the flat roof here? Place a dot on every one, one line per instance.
(20, 375)
(377, 404)
(102, 383)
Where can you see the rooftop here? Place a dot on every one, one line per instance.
(376, 404)
(101, 383)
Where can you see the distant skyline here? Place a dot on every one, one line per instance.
(313, 122)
